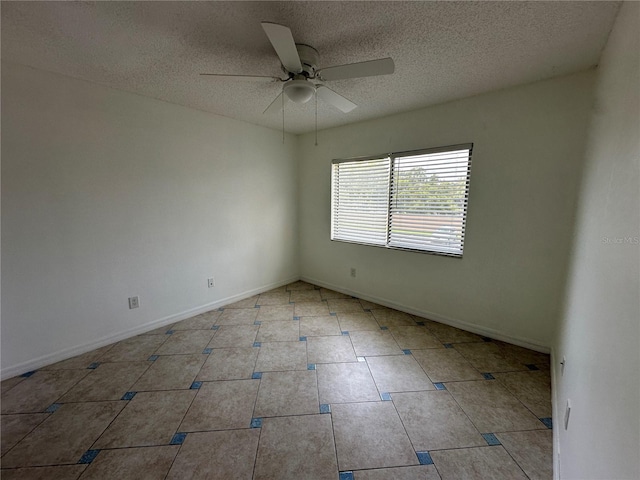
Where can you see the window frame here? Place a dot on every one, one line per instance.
(391, 158)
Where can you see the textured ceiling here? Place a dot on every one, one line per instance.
(442, 50)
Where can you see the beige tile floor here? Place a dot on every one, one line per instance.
(299, 382)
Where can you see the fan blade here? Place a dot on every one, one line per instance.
(383, 66)
(335, 99)
(282, 41)
(240, 76)
(276, 105)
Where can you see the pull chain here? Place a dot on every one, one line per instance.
(316, 118)
(282, 95)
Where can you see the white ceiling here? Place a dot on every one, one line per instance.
(442, 50)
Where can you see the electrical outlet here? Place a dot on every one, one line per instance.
(134, 302)
(353, 272)
(567, 412)
(211, 282)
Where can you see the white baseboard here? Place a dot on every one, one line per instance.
(478, 329)
(66, 353)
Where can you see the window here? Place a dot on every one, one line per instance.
(408, 200)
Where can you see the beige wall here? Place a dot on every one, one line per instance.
(527, 157)
(106, 195)
(600, 330)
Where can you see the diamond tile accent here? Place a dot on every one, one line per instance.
(178, 439)
(53, 407)
(195, 385)
(128, 395)
(93, 366)
(424, 458)
(548, 422)
(439, 386)
(325, 408)
(311, 366)
(491, 439)
(488, 376)
(256, 422)
(385, 396)
(256, 375)
(88, 456)
(153, 358)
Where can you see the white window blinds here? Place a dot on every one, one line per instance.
(409, 200)
(361, 201)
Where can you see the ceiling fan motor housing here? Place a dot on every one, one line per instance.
(309, 59)
(301, 89)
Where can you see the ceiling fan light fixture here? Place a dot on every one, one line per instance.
(299, 91)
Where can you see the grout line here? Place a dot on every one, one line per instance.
(255, 362)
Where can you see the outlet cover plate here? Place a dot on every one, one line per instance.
(134, 302)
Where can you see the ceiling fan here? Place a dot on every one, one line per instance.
(303, 79)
